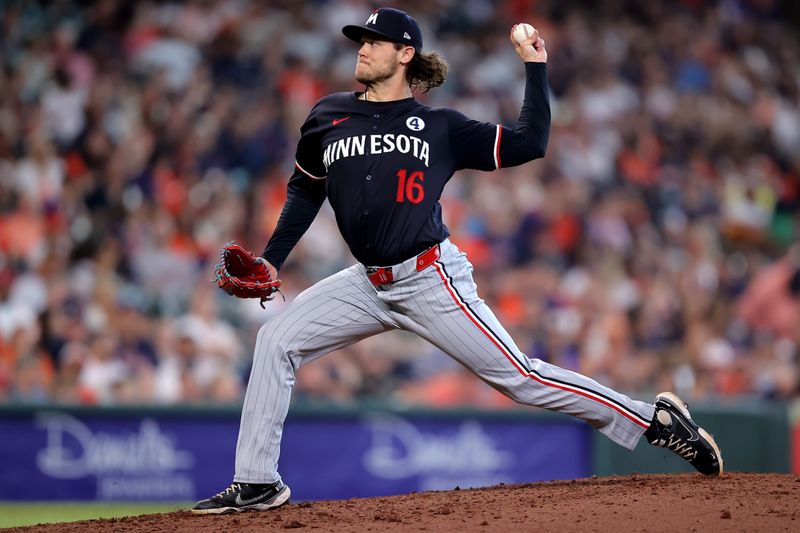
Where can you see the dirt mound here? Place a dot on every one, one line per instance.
(658, 503)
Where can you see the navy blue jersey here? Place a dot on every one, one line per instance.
(383, 166)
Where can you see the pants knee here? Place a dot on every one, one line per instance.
(514, 388)
(273, 343)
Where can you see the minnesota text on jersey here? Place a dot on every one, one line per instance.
(376, 144)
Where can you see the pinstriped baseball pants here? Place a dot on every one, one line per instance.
(439, 303)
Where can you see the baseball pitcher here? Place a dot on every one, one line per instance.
(382, 159)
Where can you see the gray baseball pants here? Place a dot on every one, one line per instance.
(439, 303)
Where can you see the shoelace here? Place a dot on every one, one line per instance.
(235, 487)
(676, 444)
(681, 448)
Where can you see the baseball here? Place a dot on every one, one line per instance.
(522, 31)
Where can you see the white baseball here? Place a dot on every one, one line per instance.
(522, 31)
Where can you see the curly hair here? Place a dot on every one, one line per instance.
(426, 71)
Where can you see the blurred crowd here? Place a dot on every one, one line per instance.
(653, 248)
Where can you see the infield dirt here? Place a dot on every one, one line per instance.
(657, 503)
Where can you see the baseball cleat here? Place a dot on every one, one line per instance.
(674, 429)
(241, 497)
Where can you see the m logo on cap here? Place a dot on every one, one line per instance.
(393, 25)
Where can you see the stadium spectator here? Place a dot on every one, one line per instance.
(648, 249)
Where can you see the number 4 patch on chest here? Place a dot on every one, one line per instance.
(415, 123)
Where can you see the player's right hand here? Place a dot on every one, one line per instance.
(531, 49)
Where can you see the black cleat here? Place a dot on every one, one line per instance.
(245, 497)
(674, 429)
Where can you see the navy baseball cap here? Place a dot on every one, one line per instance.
(390, 24)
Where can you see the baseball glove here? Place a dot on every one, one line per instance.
(242, 274)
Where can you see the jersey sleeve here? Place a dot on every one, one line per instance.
(305, 193)
(485, 146)
(308, 157)
(304, 198)
(474, 144)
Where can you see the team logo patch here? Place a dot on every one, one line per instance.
(415, 123)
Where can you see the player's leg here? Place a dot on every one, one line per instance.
(445, 309)
(334, 313)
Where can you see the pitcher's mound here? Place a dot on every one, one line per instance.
(657, 503)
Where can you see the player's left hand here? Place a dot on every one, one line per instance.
(240, 273)
(531, 49)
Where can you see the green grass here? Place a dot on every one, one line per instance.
(14, 514)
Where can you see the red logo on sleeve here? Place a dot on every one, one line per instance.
(339, 120)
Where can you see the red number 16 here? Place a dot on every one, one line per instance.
(410, 186)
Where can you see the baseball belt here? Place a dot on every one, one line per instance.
(390, 274)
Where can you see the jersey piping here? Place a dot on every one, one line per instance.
(307, 173)
(497, 137)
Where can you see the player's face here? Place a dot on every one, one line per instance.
(377, 61)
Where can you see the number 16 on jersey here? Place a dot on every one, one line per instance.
(409, 187)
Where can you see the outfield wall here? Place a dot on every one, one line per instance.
(146, 454)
